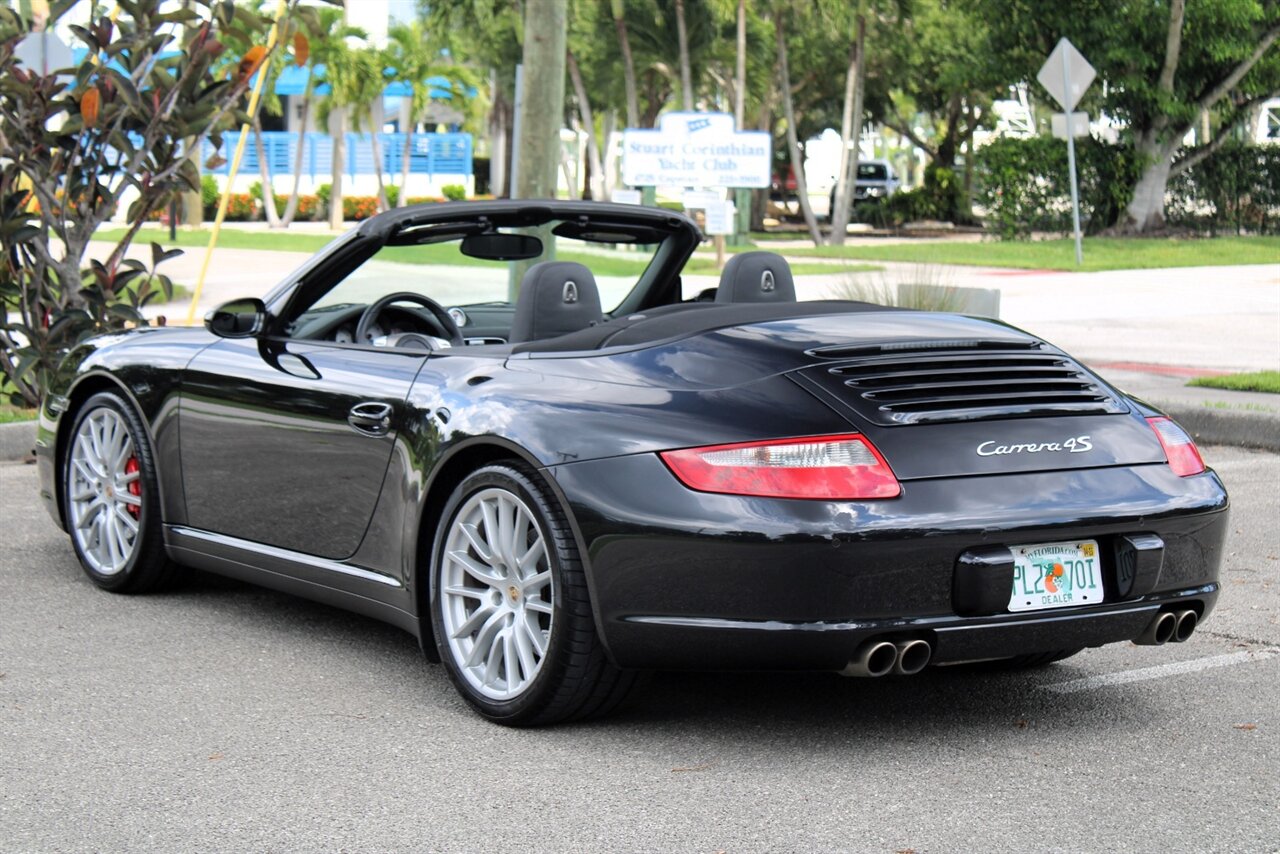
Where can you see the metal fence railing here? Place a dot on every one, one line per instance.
(430, 154)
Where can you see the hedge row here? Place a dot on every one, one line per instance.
(1023, 185)
(244, 207)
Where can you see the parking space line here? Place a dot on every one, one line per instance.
(1175, 668)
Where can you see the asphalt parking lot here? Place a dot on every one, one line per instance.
(226, 717)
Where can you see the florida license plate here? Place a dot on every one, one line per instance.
(1056, 575)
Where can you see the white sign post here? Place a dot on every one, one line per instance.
(1066, 75)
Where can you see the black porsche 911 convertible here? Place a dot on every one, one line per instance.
(619, 472)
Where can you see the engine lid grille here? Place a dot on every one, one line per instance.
(948, 383)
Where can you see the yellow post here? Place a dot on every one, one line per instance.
(254, 97)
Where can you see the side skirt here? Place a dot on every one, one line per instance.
(326, 581)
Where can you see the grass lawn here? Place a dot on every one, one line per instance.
(1100, 253)
(1268, 381)
(12, 414)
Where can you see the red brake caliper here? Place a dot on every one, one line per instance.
(135, 487)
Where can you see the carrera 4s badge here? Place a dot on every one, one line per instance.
(1074, 445)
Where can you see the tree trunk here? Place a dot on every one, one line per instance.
(740, 70)
(499, 128)
(1145, 211)
(607, 160)
(542, 102)
(541, 115)
(628, 64)
(595, 169)
(793, 140)
(403, 198)
(299, 157)
(376, 146)
(850, 139)
(264, 174)
(686, 76)
(338, 128)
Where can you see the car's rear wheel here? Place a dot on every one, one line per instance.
(509, 604)
(112, 500)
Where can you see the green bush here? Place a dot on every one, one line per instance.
(1237, 189)
(209, 195)
(393, 195)
(1024, 184)
(454, 192)
(323, 192)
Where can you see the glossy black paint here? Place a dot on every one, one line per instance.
(264, 476)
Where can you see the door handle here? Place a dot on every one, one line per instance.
(373, 419)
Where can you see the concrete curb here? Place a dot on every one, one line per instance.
(17, 440)
(1226, 426)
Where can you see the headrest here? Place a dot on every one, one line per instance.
(556, 297)
(756, 277)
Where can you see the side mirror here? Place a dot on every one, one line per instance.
(240, 318)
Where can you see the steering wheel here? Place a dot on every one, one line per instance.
(370, 316)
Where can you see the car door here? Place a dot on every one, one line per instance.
(287, 442)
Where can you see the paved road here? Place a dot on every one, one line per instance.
(225, 717)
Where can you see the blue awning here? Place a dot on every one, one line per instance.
(292, 80)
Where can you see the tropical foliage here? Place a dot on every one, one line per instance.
(78, 143)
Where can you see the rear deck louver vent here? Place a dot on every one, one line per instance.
(928, 384)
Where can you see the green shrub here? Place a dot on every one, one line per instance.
(209, 195)
(393, 195)
(1024, 184)
(454, 192)
(1237, 189)
(323, 192)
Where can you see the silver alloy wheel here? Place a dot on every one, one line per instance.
(496, 593)
(104, 503)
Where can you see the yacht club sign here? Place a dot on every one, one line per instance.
(696, 150)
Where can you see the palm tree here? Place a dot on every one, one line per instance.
(364, 90)
(344, 67)
(788, 105)
(315, 29)
(415, 59)
(628, 63)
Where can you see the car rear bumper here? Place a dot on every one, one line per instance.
(681, 579)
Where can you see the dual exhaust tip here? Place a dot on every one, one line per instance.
(880, 658)
(1175, 626)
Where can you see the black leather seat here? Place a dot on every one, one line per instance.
(556, 298)
(756, 277)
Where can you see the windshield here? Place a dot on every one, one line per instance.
(873, 172)
(442, 272)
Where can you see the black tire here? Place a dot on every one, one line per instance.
(147, 567)
(573, 679)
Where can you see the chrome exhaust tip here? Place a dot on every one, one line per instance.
(874, 658)
(1160, 630)
(1186, 625)
(913, 656)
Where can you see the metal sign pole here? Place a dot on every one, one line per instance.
(1071, 156)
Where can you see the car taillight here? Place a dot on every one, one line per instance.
(1178, 446)
(843, 467)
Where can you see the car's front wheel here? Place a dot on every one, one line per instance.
(112, 500)
(509, 604)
